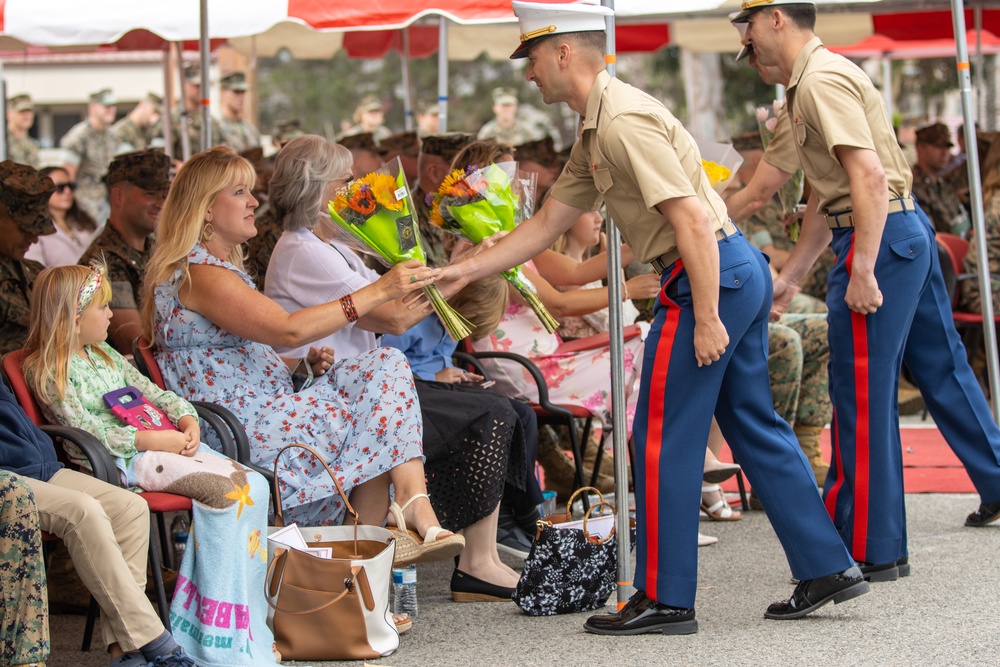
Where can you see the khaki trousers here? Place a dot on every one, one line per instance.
(106, 531)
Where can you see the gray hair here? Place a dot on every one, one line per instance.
(302, 171)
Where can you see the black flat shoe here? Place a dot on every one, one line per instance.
(985, 515)
(814, 593)
(879, 572)
(642, 615)
(466, 588)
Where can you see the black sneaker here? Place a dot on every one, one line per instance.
(513, 541)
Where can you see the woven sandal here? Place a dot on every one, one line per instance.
(721, 510)
(403, 623)
(437, 544)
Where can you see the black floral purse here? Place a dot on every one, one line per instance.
(569, 569)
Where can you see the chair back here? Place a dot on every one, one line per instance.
(956, 246)
(14, 373)
(145, 361)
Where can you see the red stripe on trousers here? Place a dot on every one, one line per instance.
(654, 442)
(859, 336)
(831, 496)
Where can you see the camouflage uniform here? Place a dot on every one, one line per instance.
(237, 134)
(16, 280)
(380, 133)
(767, 227)
(260, 247)
(130, 137)
(23, 150)
(25, 194)
(969, 299)
(938, 199)
(24, 621)
(191, 123)
(126, 266)
(520, 132)
(93, 151)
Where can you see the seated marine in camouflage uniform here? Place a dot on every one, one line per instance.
(937, 197)
(137, 183)
(24, 216)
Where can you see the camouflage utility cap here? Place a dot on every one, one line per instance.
(25, 194)
(446, 145)
(149, 170)
(286, 130)
(369, 103)
(402, 143)
(21, 102)
(935, 135)
(364, 141)
(104, 96)
(236, 81)
(542, 151)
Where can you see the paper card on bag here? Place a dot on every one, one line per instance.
(320, 552)
(599, 527)
(290, 536)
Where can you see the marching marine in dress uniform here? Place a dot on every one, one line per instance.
(937, 360)
(705, 352)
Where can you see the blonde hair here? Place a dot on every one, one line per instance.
(483, 303)
(52, 337)
(182, 220)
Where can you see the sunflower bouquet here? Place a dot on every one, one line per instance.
(476, 203)
(373, 214)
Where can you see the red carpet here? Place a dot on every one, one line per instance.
(929, 465)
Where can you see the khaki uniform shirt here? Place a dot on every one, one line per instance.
(938, 199)
(16, 280)
(832, 102)
(237, 134)
(23, 150)
(635, 154)
(91, 151)
(126, 266)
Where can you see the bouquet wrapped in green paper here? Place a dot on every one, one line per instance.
(373, 214)
(476, 203)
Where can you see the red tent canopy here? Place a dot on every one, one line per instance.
(930, 25)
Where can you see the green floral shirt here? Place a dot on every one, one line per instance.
(83, 405)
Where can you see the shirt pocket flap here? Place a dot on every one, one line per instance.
(735, 276)
(909, 247)
(602, 180)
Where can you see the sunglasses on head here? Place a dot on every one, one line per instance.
(62, 187)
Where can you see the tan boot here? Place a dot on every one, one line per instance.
(910, 400)
(808, 437)
(559, 468)
(606, 476)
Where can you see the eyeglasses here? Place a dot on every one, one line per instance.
(62, 187)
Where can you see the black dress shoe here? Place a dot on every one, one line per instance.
(986, 514)
(466, 588)
(642, 615)
(876, 572)
(904, 566)
(814, 593)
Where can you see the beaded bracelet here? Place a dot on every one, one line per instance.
(350, 312)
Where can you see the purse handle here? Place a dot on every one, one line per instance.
(586, 517)
(349, 585)
(279, 519)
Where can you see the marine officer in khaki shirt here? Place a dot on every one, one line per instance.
(861, 201)
(934, 353)
(706, 351)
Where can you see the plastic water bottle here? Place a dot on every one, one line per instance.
(179, 530)
(404, 590)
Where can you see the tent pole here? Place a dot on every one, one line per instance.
(887, 84)
(977, 18)
(203, 47)
(168, 102)
(407, 93)
(443, 75)
(185, 138)
(617, 343)
(976, 202)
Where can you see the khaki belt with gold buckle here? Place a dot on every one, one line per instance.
(845, 218)
(661, 263)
